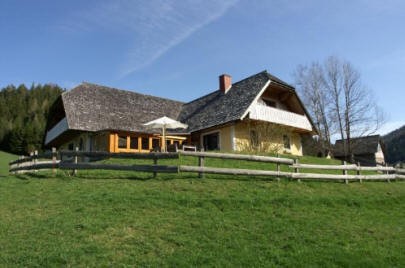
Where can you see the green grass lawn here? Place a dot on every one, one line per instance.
(105, 218)
(5, 158)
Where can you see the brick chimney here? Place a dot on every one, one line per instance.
(225, 82)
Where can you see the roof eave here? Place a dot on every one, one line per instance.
(255, 99)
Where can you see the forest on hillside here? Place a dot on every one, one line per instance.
(23, 116)
(395, 146)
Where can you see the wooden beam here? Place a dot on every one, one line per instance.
(233, 171)
(122, 155)
(143, 168)
(256, 158)
(333, 167)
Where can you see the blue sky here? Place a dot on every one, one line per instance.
(177, 49)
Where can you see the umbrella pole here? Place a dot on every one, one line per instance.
(164, 139)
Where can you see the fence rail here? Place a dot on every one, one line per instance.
(141, 168)
(152, 155)
(255, 158)
(36, 162)
(343, 167)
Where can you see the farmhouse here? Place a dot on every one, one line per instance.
(368, 150)
(260, 112)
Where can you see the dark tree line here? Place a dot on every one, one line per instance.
(23, 116)
(395, 146)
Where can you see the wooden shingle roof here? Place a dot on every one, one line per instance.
(360, 145)
(91, 107)
(219, 108)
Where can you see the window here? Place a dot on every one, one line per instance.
(270, 103)
(134, 143)
(254, 138)
(286, 141)
(145, 143)
(71, 147)
(155, 143)
(122, 142)
(211, 141)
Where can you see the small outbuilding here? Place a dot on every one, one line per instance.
(368, 150)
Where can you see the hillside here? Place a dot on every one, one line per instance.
(395, 146)
(110, 218)
(5, 158)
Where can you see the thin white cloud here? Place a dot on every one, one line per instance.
(151, 27)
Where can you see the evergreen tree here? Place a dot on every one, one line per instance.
(23, 115)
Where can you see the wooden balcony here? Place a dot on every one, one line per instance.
(277, 116)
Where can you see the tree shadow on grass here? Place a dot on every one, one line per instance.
(109, 176)
(64, 175)
(143, 176)
(28, 176)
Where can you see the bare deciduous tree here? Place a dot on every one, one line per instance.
(311, 82)
(337, 99)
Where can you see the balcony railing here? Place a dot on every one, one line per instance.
(58, 129)
(274, 115)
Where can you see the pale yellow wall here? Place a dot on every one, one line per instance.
(242, 137)
(225, 139)
(237, 136)
(272, 144)
(296, 146)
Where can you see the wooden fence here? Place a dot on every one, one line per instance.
(388, 173)
(69, 160)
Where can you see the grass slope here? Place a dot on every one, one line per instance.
(97, 220)
(5, 158)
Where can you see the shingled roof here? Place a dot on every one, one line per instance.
(91, 107)
(360, 145)
(219, 108)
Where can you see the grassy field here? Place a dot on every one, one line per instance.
(102, 218)
(5, 158)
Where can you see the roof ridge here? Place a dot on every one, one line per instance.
(276, 79)
(362, 137)
(123, 90)
(212, 92)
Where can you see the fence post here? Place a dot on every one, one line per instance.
(345, 172)
(359, 172)
(18, 164)
(53, 160)
(296, 169)
(201, 164)
(155, 161)
(278, 171)
(75, 161)
(35, 159)
(31, 162)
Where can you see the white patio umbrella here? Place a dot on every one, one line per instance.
(165, 123)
